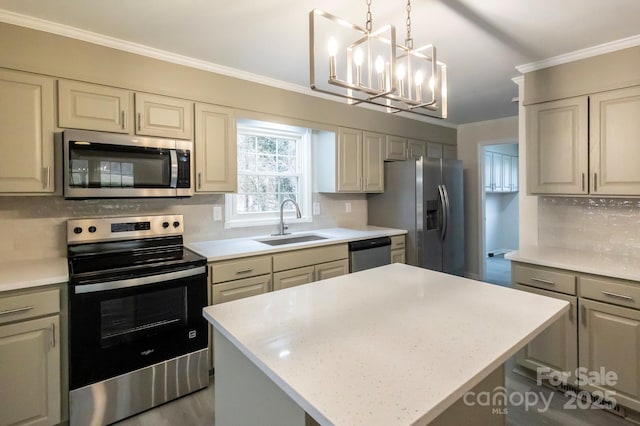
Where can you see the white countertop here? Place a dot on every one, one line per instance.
(242, 247)
(391, 345)
(33, 273)
(609, 265)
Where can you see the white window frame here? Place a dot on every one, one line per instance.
(233, 219)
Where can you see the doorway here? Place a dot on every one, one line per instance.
(499, 210)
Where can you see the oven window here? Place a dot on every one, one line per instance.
(138, 316)
(95, 165)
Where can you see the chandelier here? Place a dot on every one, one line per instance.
(367, 66)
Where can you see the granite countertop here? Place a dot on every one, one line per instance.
(390, 345)
(25, 274)
(606, 264)
(243, 247)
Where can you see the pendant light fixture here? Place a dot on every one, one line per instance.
(368, 66)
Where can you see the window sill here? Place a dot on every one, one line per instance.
(264, 222)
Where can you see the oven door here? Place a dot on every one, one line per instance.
(121, 326)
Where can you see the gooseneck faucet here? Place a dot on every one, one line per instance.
(282, 225)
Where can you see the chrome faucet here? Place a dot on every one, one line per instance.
(283, 227)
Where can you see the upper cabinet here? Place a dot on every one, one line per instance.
(27, 124)
(395, 148)
(500, 172)
(215, 149)
(102, 108)
(352, 161)
(439, 150)
(585, 145)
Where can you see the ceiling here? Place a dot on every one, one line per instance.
(480, 41)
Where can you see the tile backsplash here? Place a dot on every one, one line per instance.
(601, 225)
(35, 227)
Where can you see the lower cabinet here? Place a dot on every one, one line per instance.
(308, 274)
(398, 249)
(30, 359)
(238, 289)
(328, 270)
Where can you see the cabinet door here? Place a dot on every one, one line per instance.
(373, 162)
(30, 372)
(434, 150)
(216, 149)
(496, 165)
(163, 116)
(557, 146)
(293, 277)
(26, 133)
(331, 269)
(556, 347)
(349, 168)
(610, 339)
(449, 152)
(488, 172)
(416, 149)
(507, 186)
(239, 289)
(395, 148)
(398, 256)
(515, 176)
(94, 107)
(615, 142)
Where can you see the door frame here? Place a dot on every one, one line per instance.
(482, 266)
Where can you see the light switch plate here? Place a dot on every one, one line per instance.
(217, 213)
(316, 209)
(347, 206)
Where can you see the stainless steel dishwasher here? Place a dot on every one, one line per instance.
(365, 254)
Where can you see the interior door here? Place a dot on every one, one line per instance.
(453, 244)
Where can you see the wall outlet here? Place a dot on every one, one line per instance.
(316, 209)
(347, 207)
(217, 213)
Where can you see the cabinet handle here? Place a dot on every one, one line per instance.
(595, 182)
(124, 119)
(540, 280)
(199, 180)
(617, 296)
(583, 315)
(47, 179)
(582, 185)
(244, 271)
(139, 121)
(53, 335)
(17, 310)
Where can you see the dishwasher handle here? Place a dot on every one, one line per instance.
(369, 244)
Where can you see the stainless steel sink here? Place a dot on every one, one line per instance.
(278, 241)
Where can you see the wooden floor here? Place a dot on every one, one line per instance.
(197, 409)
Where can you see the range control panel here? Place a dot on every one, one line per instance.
(123, 228)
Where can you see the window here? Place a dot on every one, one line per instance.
(273, 165)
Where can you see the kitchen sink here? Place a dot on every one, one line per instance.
(281, 240)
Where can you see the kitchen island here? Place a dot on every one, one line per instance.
(395, 345)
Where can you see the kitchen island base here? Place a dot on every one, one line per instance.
(245, 395)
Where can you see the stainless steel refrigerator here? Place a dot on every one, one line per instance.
(425, 198)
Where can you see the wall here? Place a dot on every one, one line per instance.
(471, 138)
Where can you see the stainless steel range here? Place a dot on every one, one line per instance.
(137, 337)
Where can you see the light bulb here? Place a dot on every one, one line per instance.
(379, 65)
(400, 72)
(332, 47)
(358, 56)
(419, 78)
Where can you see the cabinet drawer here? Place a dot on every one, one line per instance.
(241, 268)
(239, 289)
(30, 305)
(306, 257)
(397, 241)
(610, 291)
(548, 279)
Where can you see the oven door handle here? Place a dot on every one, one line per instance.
(134, 282)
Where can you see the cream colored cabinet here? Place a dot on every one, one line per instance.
(27, 124)
(30, 369)
(327, 270)
(110, 109)
(299, 267)
(215, 149)
(239, 289)
(163, 116)
(395, 148)
(351, 162)
(449, 152)
(416, 149)
(398, 254)
(293, 277)
(94, 107)
(610, 343)
(434, 150)
(439, 150)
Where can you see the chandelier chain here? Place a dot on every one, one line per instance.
(409, 40)
(369, 19)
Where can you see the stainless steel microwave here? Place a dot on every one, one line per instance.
(107, 165)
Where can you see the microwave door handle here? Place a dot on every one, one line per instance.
(174, 169)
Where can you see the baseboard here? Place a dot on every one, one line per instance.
(496, 252)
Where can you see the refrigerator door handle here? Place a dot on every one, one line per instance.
(445, 216)
(447, 211)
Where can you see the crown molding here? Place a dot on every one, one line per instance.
(151, 52)
(589, 52)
